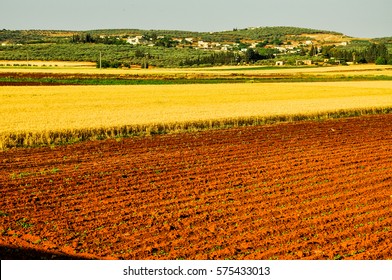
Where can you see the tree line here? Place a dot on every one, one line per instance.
(91, 39)
(375, 53)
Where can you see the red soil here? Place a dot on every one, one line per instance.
(310, 190)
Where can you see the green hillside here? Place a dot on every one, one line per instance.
(259, 33)
(175, 48)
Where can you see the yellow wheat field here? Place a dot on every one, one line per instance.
(35, 109)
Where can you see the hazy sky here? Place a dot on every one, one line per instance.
(360, 18)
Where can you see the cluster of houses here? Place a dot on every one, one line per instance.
(291, 48)
(200, 44)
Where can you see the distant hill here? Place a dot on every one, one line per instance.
(33, 36)
(258, 33)
(176, 48)
(251, 33)
(385, 40)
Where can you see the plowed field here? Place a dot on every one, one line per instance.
(310, 190)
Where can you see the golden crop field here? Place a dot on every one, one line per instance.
(42, 110)
(69, 107)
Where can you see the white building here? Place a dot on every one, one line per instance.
(203, 45)
(281, 49)
(226, 47)
(135, 40)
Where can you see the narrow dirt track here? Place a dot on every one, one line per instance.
(310, 190)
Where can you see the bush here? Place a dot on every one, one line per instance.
(380, 61)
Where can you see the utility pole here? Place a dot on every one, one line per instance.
(100, 60)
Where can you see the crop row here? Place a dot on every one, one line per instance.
(317, 190)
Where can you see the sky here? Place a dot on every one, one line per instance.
(357, 18)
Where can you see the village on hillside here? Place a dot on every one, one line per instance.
(312, 45)
(273, 46)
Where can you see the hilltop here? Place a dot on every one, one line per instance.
(252, 33)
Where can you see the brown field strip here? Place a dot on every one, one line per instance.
(309, 190)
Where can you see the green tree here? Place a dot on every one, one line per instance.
(251, 56)
(165, 42)
(89, 38)
(380, 61)
(312, 51)
(277, 41)
(262, 44)
(375, 51)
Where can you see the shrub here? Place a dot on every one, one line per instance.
(380, 61)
